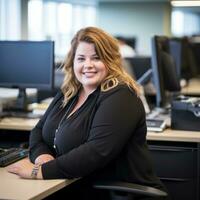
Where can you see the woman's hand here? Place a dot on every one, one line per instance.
(23, 169)
(43, 158)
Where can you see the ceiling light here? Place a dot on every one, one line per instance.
(185, 3)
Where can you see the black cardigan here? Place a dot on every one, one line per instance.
(105, 136)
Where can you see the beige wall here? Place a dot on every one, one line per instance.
(142, 20)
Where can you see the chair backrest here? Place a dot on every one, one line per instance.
(130, 188)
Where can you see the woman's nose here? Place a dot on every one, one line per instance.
(88, 63)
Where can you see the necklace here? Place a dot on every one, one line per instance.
(62, 119)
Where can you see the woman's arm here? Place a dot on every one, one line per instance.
(114, 123)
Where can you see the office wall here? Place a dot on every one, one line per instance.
(142, 20)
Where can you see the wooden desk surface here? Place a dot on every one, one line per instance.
(193, 87)
(167, 135)
(11, 123)
(13, 187)
(175, 135)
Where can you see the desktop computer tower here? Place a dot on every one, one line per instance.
(185, 113)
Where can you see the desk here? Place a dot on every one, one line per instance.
(193, 87)
(167, 135)
(12, 187)
(176, 156)
(11, 123)
(175, 136)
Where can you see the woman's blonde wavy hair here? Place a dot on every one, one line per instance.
(107, 49)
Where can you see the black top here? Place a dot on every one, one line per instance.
(106, 136)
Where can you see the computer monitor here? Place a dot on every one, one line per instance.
(182, 52)
(176, 50)
(139, 65)
(131, 41)
(165, 76)
(26, 64)
(195, 46)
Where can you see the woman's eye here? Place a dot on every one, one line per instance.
(96, 58)
(80, 59)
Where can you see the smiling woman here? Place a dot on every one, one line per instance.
(104, 52)
(88, 68)
(95, 127)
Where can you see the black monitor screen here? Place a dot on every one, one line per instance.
(175, 49)
(26, 64)
(182, 51)
(165, 75)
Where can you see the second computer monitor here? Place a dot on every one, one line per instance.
(165, 77)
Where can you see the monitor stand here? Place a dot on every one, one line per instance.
(21, 103)
(20, 107)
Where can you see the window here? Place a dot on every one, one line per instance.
(58, 21)
(185, 23)
(10, 20)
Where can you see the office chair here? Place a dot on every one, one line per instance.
(126, 191)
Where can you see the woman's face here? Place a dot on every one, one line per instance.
(89, 70)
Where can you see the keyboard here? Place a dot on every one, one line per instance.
(9, 156)
(155, 125)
